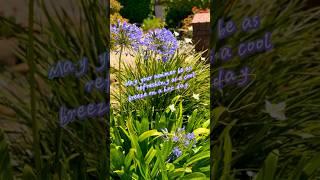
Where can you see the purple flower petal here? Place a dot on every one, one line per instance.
(177, 152)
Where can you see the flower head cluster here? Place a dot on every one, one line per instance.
(126, 35)
(181, 140)
(176, 151)
(162, 42)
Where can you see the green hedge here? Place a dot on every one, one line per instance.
(135, 10)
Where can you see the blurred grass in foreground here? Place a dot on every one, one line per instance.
(78, 151)
(246, 142)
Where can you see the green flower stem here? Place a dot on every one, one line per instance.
(119, 78)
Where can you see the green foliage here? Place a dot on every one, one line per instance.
(152, 23)
(5, 162)
(152, 66)
(177, 10)
(139, 148)
(135, 10)
(28, 173)
(138, 141)
(5, 30)
(268, 171)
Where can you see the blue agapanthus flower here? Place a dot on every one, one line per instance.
(182, 141)
(179, 130)
(175, 139)
(126, 35)
(177, 152)
(190, 136)
(162, 42)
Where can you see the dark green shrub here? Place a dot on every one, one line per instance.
(135, 10)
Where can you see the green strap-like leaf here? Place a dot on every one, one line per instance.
(313, 165)
(195, 176)
(270, 166)
(5, 164)
(28, 173)
(148, 134)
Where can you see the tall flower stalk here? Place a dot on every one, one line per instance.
(125, 37)
(119, 76)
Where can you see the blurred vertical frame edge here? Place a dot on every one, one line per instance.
(108, 140)
(30, 28)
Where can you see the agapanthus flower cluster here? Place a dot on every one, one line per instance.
(182, 141)
(159, 42)
(126, 35)
(162, 42)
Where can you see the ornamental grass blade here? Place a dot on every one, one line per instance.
(312, 166)
(148, 134)
(28, 173)
(5, 162)
(268, 171)
(195, 176)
